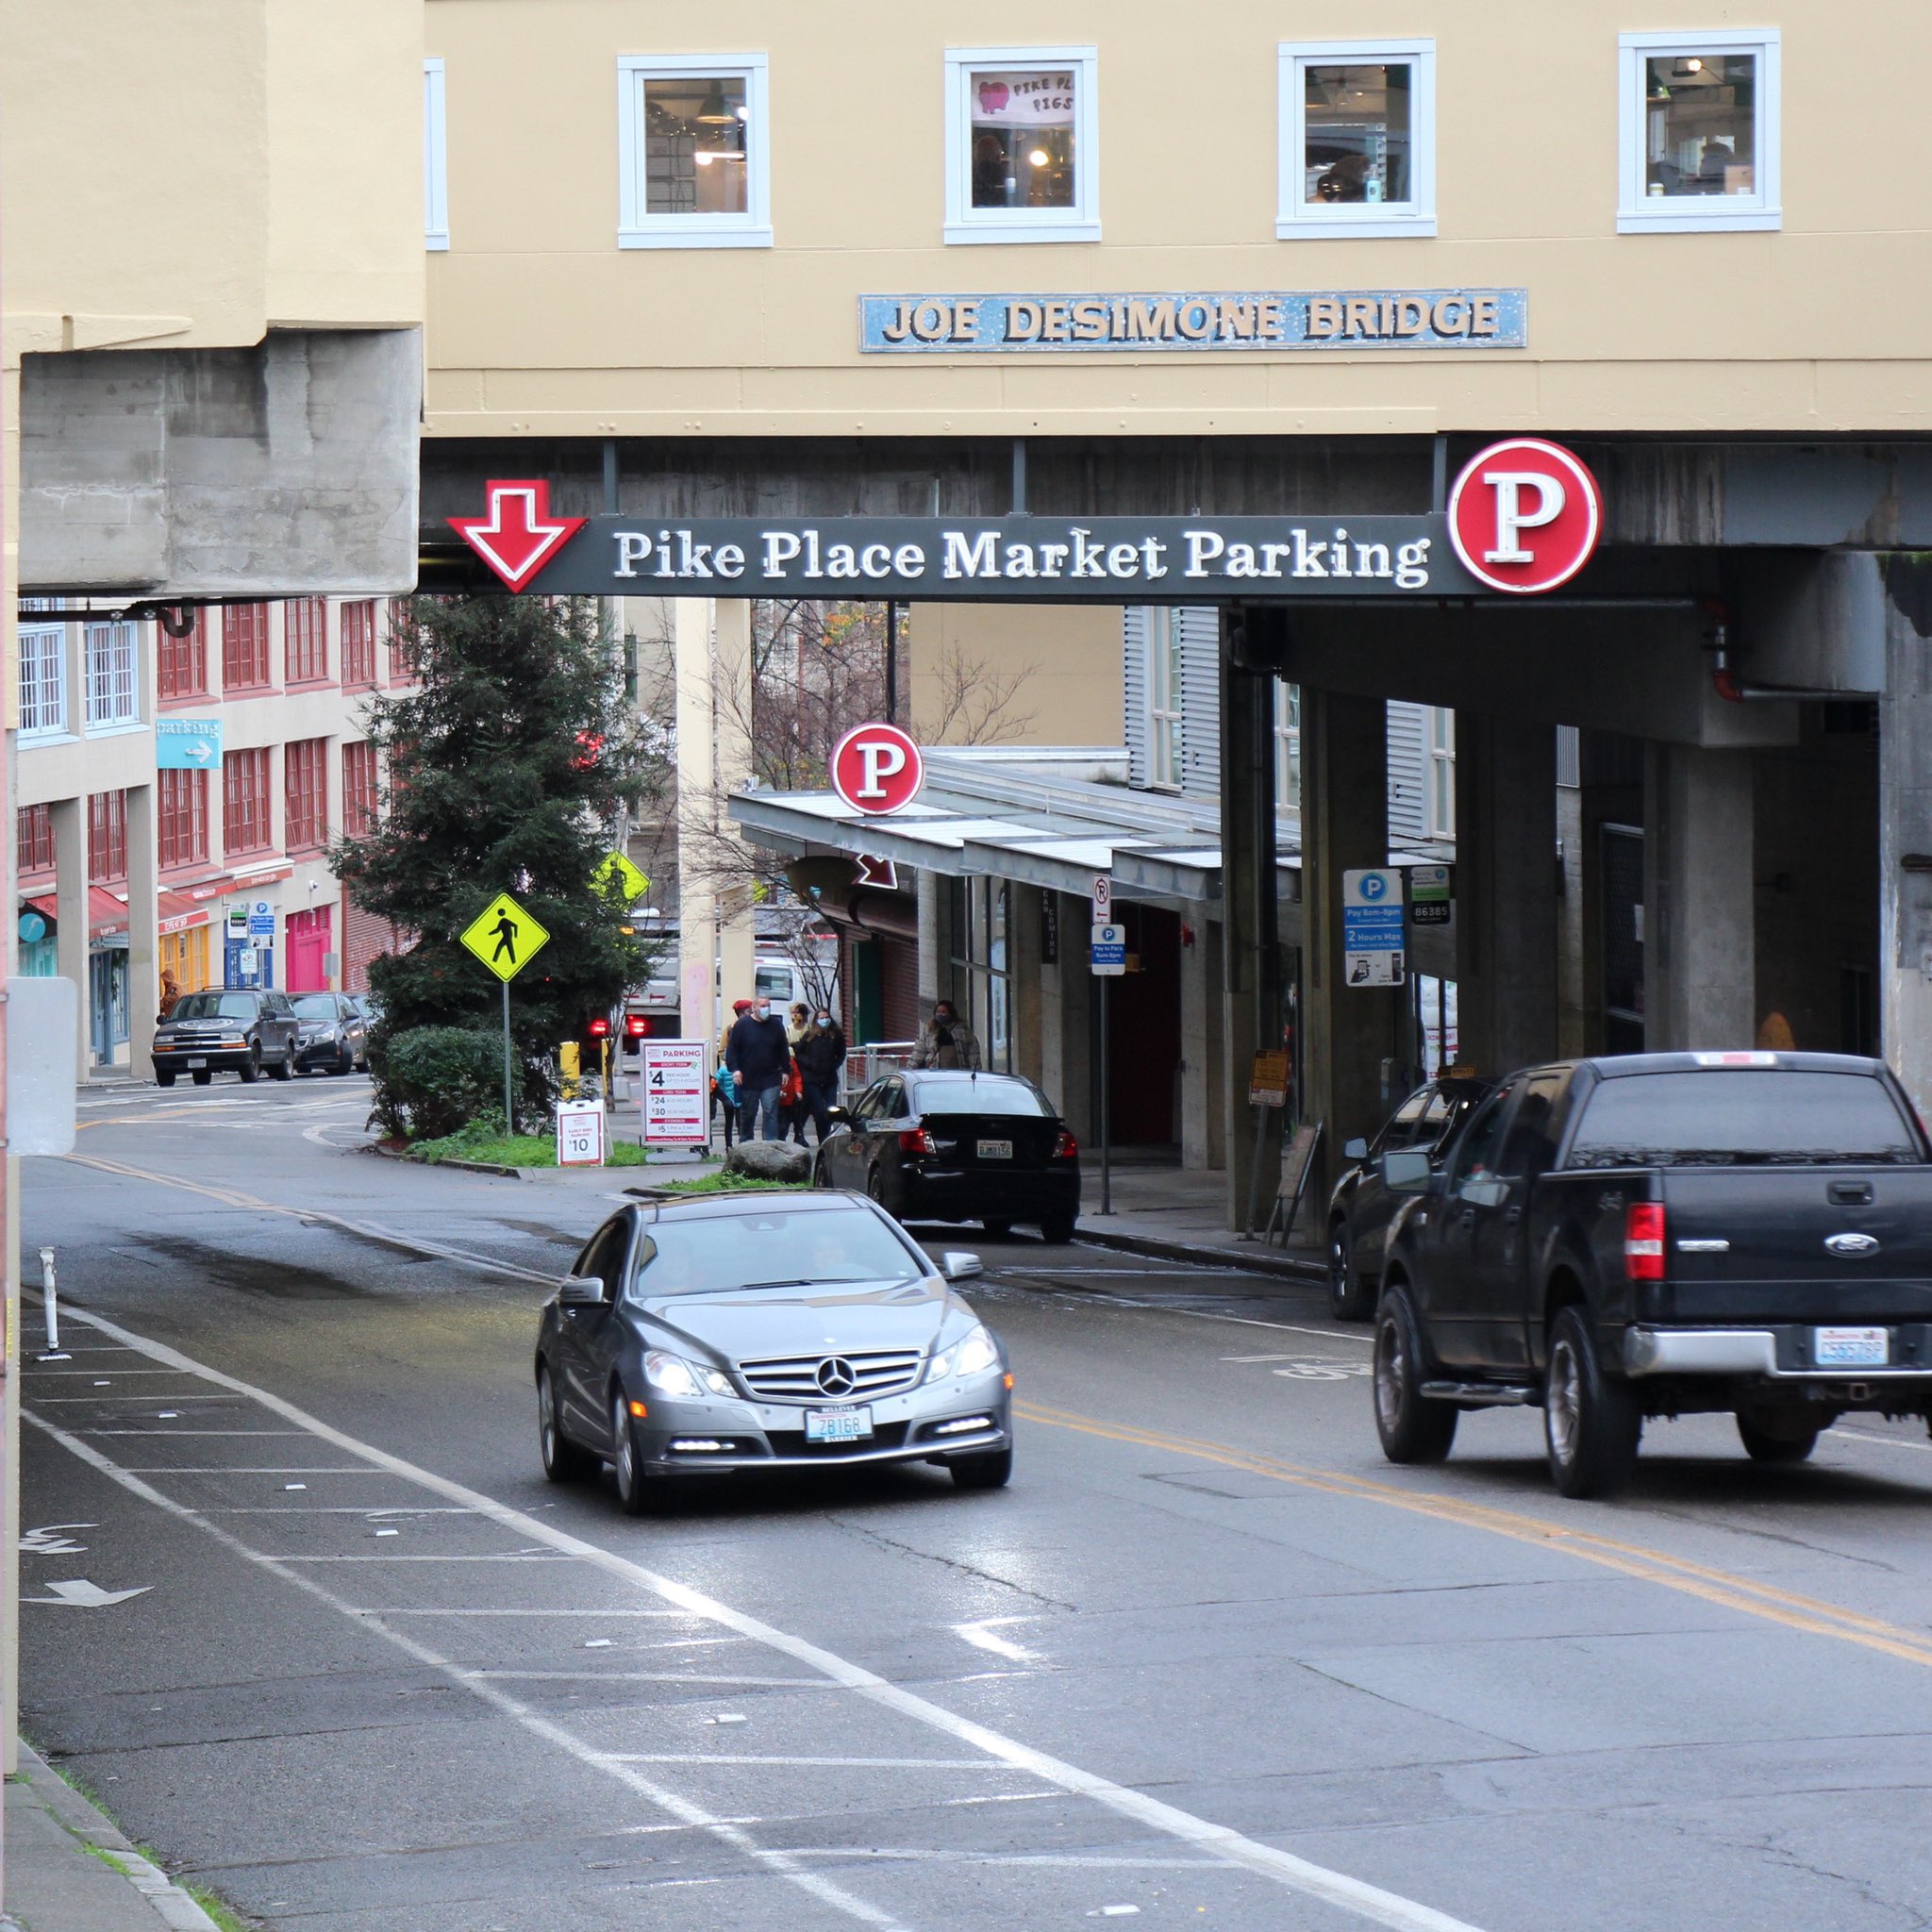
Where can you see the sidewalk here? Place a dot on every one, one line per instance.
(1181, 1213)
(70, 1869)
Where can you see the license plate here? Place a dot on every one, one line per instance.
(838, 1424)
(1850, 1348)
(192, 1064)
(996, 1150)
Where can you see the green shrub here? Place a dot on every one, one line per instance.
(431, 1081)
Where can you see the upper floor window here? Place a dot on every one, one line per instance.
(34, 837)
(1288, 746)
(304, 794)
(1358, 138)
(1697, 131)
(304, 639)
(245, 648)
(359, 643)
(181, 818)
(42, 680)
(181, 670)
(694, 159)
(359, 802)
(245, 803)
(113, 690)
(435, 161)
(1023, 154)
(107, 838)
(1439, 796)
(1163, 698)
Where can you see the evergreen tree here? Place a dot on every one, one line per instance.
(510, 767)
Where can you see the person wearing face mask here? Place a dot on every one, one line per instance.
(757, 1054)
(820, 1054)
(792, 1110)
(946, 1040)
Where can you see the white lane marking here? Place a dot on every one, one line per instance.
(827, 1763)
(1079, 1860)
(542, 1616)
(1124, 1301)
(981, 1637)
(653, 1677)
(414, 1557)
(79, 1593)
(1872, 1436)
(824, 1890)
(48, 1542)
(225, 1469)
(1282, 1868)
(176, 1435)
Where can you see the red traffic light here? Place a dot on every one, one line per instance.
(636, 1025)
(599, 1029)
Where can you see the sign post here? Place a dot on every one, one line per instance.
(505, 939)
(1110, 962)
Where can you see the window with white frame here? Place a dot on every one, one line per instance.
(42, 680)
(435, 161)
(113, 690)
(1697, 131)
(693, 151)
(1288, 746)
(1163, 698)
(1440, 794)
(1358, 139)
(1022, 153)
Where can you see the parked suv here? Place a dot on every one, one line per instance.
(239, 1030)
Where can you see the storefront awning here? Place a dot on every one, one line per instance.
(179, 911)
(105, 914)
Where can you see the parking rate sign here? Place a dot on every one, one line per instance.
(1373, 947)
(677, 1093)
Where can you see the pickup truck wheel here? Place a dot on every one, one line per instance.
(1413, 1428)
(1592, 1423)
(1776, 1443)
(1349, 1297)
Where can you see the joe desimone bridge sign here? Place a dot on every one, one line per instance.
(1523, 517)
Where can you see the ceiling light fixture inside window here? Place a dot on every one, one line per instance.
(1040, 157)
(714, 113)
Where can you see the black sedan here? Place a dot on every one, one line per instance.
(765, 1332)
(954, 1147)
(334, 1033)
(239, 1031)
(1360, 1207)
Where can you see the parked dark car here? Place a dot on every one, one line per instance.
(770, 1331)
(1360, 1207)
(239, 1031)
(1653, 1235)
(334, 1034)
(957, 1146)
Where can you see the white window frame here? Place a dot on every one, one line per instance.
(435, 161)
(1640, 213)
(966, 223)
(113, 700)
(638, 228)
(1288, 747)
(1297, 219)
(1439, 793)
(1164, 726)
(38, 644)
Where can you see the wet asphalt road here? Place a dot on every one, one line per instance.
(1209, 1661)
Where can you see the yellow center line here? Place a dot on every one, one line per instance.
(1698, 1580)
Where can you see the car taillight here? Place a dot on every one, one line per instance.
(1644, 1241)
(1066, 1147)
(636, 1025)
(917, 1140)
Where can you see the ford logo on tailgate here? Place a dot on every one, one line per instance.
(1853, 1246)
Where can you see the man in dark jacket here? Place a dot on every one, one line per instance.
(820, 1054)
(757, 1054)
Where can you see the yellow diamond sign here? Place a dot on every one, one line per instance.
(505, 937)
(617, 866)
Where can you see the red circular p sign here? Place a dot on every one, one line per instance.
(877, 769)
(1525, 516)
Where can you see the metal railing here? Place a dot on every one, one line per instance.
(864, 1064)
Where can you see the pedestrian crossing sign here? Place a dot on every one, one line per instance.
(617, 865)
(505, 937)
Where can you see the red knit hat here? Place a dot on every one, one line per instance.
(741, 1005)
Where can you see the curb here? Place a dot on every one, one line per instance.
(90, 1826)
(1251, 1258)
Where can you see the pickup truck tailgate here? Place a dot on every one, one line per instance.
(1785, 1243)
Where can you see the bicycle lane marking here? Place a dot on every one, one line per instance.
(1338, 1888)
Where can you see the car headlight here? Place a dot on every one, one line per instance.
(975, 1353)
(671, 1374)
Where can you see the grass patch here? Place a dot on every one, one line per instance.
(513, 1150)
(224, 1914)
(731, 1184)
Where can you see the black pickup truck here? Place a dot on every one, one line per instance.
(1662, 1234)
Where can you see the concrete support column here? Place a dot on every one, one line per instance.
(1066, 1040)
(1505, 891)
(1251, 956)
(1204, 1077)
(69, 914)
(1905, 845)
(144, 917)
(1022, 941)
(1347, 1032)
(1700, 979)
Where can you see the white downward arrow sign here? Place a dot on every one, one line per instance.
(88, 1596)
